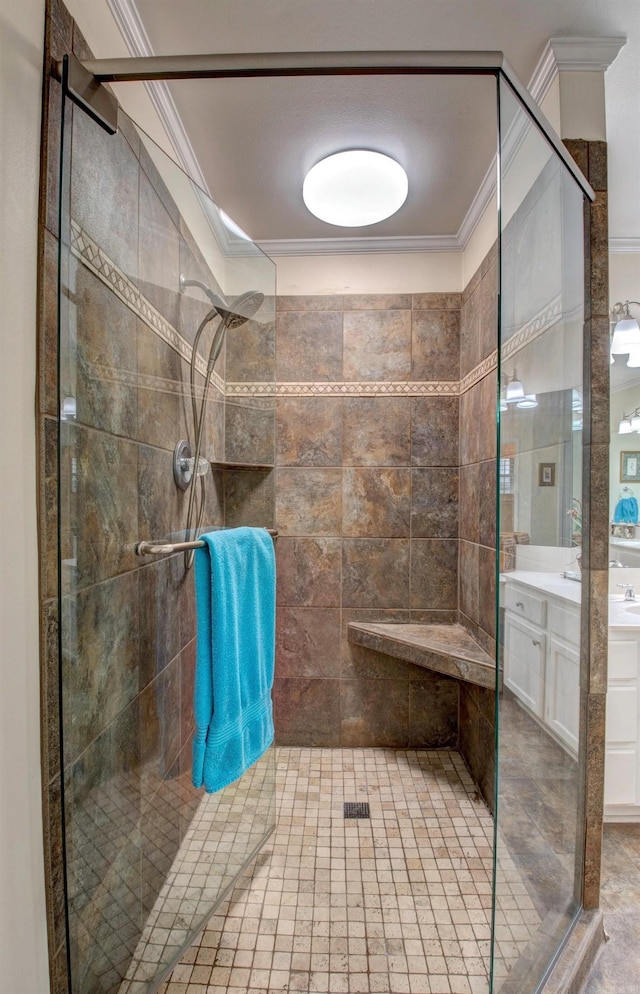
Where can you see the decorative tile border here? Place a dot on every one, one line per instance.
(92, 256)
(146, 381)
(549, 315)
(95, 259)
(360, 388)
(483, 369)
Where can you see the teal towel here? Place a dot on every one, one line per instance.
(235, 603)
(626, 510)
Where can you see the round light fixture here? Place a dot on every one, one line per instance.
(530, 400)
(355, 188)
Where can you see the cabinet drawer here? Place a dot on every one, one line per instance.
(564, 621)
(525, 604)
(623, 659)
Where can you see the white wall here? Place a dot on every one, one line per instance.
(624, 277)
(23, 937)
(406, 272)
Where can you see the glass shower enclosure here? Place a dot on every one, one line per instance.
(144, 257)
(148, 857)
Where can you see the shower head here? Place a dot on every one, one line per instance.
(235, 313)
(242, 308)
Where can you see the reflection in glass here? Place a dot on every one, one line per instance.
(538, 865)
(148, 857)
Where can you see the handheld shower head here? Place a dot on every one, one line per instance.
(235, 313)
(242, 308)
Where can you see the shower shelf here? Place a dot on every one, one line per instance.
(446, 649)
(221, 464)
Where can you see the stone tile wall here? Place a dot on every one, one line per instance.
(367, 487)
(477, 566)
(591, 157)
(127, 626)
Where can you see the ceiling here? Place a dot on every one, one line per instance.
(255, 139)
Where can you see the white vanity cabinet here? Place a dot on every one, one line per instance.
(542, 650)
(622, 755)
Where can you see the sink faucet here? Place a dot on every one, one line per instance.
(615, 562)
(628, 591)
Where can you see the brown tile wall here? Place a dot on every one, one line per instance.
(477, 529)
(367, 510)
(591, 157)
(128, 627)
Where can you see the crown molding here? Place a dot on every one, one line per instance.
(359, 246)
(544, 74)
(134, 34)
(594, 51)
(624, 245)
(586, 54)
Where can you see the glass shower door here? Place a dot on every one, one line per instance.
(148, 857)
(538, 854)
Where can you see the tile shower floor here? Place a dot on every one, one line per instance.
(399, 902)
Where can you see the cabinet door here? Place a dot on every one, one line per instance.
(622, 765)
(562, 692)
(524, 656)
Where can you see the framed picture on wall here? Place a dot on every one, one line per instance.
(630, 467)
(546, 474)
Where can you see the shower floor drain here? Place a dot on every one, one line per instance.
(356, 809)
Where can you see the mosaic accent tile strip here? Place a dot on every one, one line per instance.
(549, 315)
(364, 388)
(159, 384)
(94, 258)
(475, 375)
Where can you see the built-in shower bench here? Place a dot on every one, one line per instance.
(447, 649)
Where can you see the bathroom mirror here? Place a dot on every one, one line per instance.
(624, 541)
(540, 469)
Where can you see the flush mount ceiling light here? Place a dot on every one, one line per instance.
(355, 188)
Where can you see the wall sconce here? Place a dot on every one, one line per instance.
(629, 423)
(514, 393)
(515, 390)
(626, 332)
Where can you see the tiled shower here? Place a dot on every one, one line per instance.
(378, 487)
(363, 428)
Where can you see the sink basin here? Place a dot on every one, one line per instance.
(632, 608)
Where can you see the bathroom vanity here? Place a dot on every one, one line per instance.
(542, 669)
(542, 650)
(622, 761)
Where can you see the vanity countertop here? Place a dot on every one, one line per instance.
(623, 614)
(547, 583)
(625, 543)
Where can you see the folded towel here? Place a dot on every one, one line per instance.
(235, 603)
(626, 511)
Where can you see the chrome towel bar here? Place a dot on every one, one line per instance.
(165, 549)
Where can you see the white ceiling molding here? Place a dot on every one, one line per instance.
(624, 245)
(543, 75)
(586, 54)
(359, 246)
(573, 53)
(134, 34)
